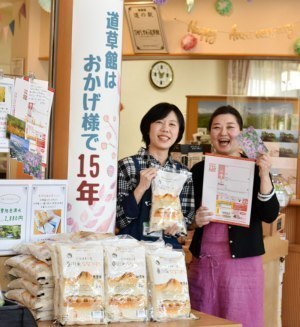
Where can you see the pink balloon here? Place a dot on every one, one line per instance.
(188, 42)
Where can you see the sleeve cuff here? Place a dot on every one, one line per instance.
(265, 197)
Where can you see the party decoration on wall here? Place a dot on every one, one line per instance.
(223, 7)
(12, 27)
(188, 42)
(190, 5)
(209, 35)
(159, 2)
(46, 5)
(22, 11)
(297, 47)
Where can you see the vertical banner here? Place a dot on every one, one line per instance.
(94, 114)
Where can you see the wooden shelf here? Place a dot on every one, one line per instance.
(294, 247)
(45, 58)
(294, 203)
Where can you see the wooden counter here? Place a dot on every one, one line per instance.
(203, 321)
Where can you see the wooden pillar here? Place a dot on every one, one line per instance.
(60, 128)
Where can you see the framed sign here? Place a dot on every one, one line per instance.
(145, 27)
(17, 66)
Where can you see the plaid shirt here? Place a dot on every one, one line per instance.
(128, 180)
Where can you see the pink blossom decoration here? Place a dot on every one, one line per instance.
(110, 170)
(70, 221)
(159, 2)
(188, 42)
(69, 206)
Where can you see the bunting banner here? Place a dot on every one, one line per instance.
(12, 27)
(22, 12)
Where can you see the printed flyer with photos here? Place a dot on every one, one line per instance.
(228, 188)
(31, 210)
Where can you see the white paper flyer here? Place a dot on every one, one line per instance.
(6, 94)
(228, 188)
(31, 210)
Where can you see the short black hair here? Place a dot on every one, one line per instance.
(226, 110)
(160, 111)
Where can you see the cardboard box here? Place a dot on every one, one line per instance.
(189, 154)
(275, 227)
(275, 248)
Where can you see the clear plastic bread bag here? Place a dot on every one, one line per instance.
(2, 302)
(168, 285)
(166, 210)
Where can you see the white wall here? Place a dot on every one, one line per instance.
(191, 77)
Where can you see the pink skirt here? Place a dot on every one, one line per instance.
(224, 287)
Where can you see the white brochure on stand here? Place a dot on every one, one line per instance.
(31, 210)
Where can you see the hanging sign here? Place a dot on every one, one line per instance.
(94, 114)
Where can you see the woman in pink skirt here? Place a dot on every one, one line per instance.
(226, 273)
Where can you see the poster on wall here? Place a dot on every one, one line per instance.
(6, 98)
(31, 210)
(94, 114)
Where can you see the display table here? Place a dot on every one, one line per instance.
(204, 321)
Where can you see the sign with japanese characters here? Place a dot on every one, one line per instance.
(94, 114)
(145, 26)
(31, 210)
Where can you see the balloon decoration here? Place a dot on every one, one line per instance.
(159, 2)
(190, 5)
(223, 7)
(188, 42)
(46, 5)
(297, 46)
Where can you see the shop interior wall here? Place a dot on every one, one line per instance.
(191, 77)
(249, 16)
(29, 40)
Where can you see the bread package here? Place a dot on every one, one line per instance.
(38, 249)
(30, 268)
(168, 284)
(126, 281)
(34, 289)
(23, 297)
(166, 206)
(81, 284)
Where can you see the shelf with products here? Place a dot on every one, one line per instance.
(275, 119)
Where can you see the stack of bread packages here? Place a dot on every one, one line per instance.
(87, 278)
(33, 282)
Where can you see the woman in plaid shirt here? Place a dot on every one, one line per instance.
(162, 127)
